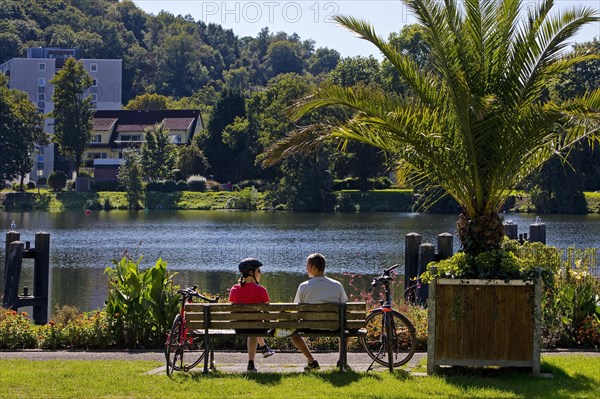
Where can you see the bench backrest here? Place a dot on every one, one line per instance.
(325, 316)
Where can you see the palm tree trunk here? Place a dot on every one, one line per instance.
(481, 233)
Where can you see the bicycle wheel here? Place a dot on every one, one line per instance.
(179, 352)
(404, 341)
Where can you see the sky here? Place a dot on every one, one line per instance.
(311, 19)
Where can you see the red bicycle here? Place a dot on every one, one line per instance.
(182, 344)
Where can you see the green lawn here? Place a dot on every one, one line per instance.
(574, 376)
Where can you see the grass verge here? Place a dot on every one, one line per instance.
(574, 376)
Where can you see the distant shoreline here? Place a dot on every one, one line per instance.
(392, 200)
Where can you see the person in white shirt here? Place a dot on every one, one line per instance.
(318, 289)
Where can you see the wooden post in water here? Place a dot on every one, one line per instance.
(15, 252)
(426, 255)
(14, 259)
(445, 246)
(411, 265)
(10, 237)
(537, 232)
(511, 230)
(41, 277)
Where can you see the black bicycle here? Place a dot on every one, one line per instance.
(391, 340)
(182, 344)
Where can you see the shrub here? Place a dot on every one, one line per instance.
(72, 330)
(196, 183)
(57, 180)
(163, 186)
(213, 185)
(512, 261)
(256, 183)
(588, 333)
(380, 183)
(141, 304)
(182, 186)
(246, 199)
(349, 183)
(97, 186)
(16, 332)
(178, 175)
(30, 185)
(41, 181)
(66, 314)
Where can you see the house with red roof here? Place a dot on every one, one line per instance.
(113, 131)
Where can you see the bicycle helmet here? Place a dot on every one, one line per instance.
(248, 264)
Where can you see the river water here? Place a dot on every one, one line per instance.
(204, 247)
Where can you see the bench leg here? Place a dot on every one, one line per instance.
(212, 359)
(343, 358)
(207, 353)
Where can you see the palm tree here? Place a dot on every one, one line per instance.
(480, 121)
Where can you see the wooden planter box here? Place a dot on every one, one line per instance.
(484, 323)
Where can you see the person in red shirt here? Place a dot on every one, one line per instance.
(248, 290)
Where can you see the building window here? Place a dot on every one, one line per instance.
(95, 83)
(41, 97)
(96, 155)
(94, 97)
(93, 67)
(41, 110)
(131, 137)
(176, 139)
(41, 82)
(41, 66)
(96, 138)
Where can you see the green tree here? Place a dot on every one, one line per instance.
(29, 131)
(72, 111)
(10, 46)
(192, 160)
(306, 184)
(9, 142)
(181, 71)
(159, 153)
(149, 101)
(323, 61)
(480, 122)
(57, 180)
(230, 105)
(351, 71)
(283, 57)
(410, 42)
(558, 188)
(20, 132)
(131, 177)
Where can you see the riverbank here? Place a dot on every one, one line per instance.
(390, 200)
(347, 200)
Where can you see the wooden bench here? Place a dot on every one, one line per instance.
(310, 320)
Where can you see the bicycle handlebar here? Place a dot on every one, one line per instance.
(192, 292)
(385, 276)
(387, 271)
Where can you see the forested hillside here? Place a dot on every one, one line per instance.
(244, 85)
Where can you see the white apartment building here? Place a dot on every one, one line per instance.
(32, 75)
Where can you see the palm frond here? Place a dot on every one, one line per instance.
(425, 85)
(305, 140)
